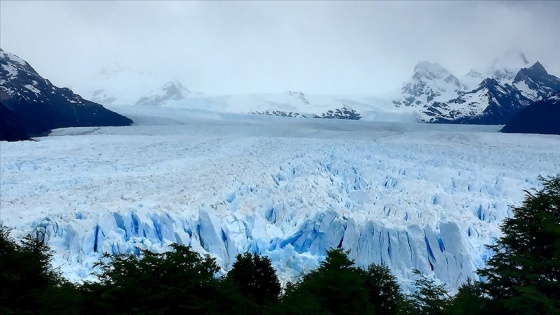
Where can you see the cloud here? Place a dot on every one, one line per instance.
(237, 47)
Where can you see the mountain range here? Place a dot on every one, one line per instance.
(440, 97)
(433, 95)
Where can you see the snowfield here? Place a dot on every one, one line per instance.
(403, 194)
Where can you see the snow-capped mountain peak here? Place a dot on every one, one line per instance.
(505, 67)
(430, 70)
(31, 105)
(535, 82)
(430, 82)
(169, 92)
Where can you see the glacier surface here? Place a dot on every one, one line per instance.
(408, 195)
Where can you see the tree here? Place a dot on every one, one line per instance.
(469, 300)
(384, 292)
(523, 275)
(178, 281)
(336, 287)
(428, 297)
(28, 283)
(255, 278)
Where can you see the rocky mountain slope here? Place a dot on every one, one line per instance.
(506, 88)
(541, 117)
(32, 105)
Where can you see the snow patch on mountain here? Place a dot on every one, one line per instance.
(430, 82)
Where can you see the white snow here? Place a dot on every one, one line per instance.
(12, 57)
(32, 89)
(526, 90)
(11, 69)
(409, 195)
(429, 79)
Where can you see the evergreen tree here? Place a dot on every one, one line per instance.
(384, 292)
(336, 287)
(428, 297)
(469, 300)
(28, 284)
(255, 278)
(523, 275)
(178, 281)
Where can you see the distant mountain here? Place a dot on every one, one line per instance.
(504, 68)
(31, 105)
(491, 98)
(535, 83)
(541, 117)
(169, 92)
(489, 104)
(430, 82)
(339, 113)
(124, 85)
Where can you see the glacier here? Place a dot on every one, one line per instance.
(408, 195)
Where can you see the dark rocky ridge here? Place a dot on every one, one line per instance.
(33, 106)
(542, 117)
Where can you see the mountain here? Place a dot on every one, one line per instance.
(341, 113)
(541, 117)
(170, 91)
(492, 98)
(489, 104)
(299, 104)
(535, 83)
(504, 68)
(124, 85)
(430, 82)
(32, 105)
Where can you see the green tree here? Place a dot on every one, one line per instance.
(469, 300)
(384, 292)
(523, 275)
(428, 297)
(336, 287)
(255, 278)
(178, 281)
(28, 283)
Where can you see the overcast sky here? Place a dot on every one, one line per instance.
(240, 47)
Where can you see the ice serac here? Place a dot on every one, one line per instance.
(32, 105)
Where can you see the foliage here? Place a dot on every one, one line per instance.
(524, 273)
(523, 277)
(384, 292)
(337, 286)
(256, 279)
(428, 297)
(28, 284)
(470, 299)
(177, 281)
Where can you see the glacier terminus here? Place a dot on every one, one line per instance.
(408, 195)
